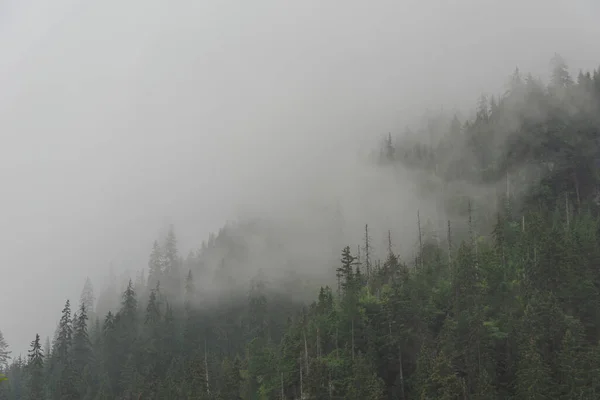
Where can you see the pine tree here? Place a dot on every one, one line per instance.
(153, 308)
(231, 379)
(81, 340)
(63, 341)
(365, 384)
(152, 338)
(129, 303)
(389, 149)
(172, 265)
(533, 374)
(4, 353)
(560, 72)
(571, 362)
(257, 310)
(35, 366)
(345, 273)
(126, 332)
(110, 355)
(81, 353)
(62, 362)
(190, 291)
(155, 266)
(87, 298)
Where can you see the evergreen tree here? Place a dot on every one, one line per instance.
(87, 298)
(172, 265)
(35, 366)
(560, 72)
(345, 273)
(62, 365)
(190, 291)
(155, 266)
(4, 353)
(81, 354)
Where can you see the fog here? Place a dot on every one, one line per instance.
(119, 118)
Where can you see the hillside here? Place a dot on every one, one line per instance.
(496, 296)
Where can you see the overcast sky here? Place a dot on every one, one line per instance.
(118, 117)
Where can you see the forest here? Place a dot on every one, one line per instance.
(499, 300)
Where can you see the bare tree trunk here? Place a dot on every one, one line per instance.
(567, 207)
(449, 245)
(353, 339)
(472, 234)
(282, 392)
(318, 343)
(367, 252)
(337, 349)
(330, 386)
(206, 368)
(420, 238)
(401, 371)
(306, 352)
(577, 190)
(301, 383)
(399, 360)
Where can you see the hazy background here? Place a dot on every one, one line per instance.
(119, 117)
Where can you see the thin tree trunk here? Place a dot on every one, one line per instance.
(206, 369)
(352, 339)
(399, 361)
(330, 386)
(282, 392)
(449, 245)
(577, 190)
(318, 344)
(367, 252)
(567, 207)
(337, 349)
(401, 371)
(301, 382)
(420, 239)
(306, 352)
(472, 234)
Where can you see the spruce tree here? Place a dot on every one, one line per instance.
(81, 351)
(35, 366)
(155, 266)
(88, 299)
(62, 362)
(4, 353)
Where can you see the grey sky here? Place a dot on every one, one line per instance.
(117, 117)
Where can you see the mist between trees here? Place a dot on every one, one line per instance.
(481, 281)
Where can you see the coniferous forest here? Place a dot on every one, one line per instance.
(500, 301)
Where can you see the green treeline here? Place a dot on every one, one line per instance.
(501, 304)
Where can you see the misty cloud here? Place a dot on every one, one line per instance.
(120, 118)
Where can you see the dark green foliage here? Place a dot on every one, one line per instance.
(35, 369)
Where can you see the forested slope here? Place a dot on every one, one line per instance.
(501, 301)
